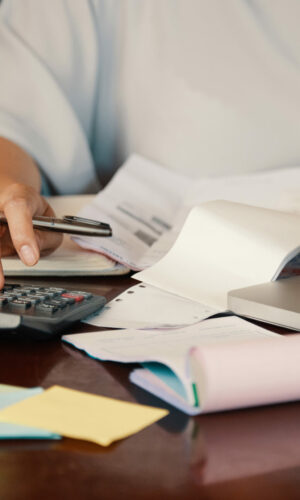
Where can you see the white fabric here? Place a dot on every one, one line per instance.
(203, 87)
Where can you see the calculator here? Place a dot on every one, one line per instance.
(43, 312)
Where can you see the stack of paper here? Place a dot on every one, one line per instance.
(237, 246)
(199, 252)
(217, 364)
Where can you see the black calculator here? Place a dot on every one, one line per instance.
(42, 312)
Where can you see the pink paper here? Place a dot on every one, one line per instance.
(248, 373)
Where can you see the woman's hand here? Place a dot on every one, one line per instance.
(20, 203)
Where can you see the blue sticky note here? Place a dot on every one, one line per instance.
(14, 431)
(8, 398)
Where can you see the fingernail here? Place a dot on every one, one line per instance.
(27, 254)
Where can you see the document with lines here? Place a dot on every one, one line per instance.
(141, 204)
(147, 205)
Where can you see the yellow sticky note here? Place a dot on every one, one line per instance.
(80, 415)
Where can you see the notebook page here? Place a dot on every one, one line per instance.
(67, 260)
(224, 246)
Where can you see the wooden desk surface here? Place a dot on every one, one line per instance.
(248, 454)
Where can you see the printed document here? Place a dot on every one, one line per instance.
(147, 204)
(140, 204)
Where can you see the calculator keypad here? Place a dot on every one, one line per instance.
(34, 299)
(43, 311)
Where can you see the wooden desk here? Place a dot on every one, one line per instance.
(249, 454)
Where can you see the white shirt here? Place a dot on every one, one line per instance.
(206, 87)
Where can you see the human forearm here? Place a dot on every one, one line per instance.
(17, 166)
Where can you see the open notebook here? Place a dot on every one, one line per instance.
(214, 365)
(224, 375)
(224, 246)
(69, 259)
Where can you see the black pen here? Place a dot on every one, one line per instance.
(69, 224)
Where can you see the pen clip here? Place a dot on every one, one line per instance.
(73, 219)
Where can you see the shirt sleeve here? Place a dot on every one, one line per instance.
(48, 86)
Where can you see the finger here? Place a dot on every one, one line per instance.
(7, 247)
(1, 270)
(3, 230)
(18, 213)
(48, 240)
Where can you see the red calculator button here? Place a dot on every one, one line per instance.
(77, 298)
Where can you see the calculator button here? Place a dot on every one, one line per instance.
(66, 300)
(34, 299)
(86, 295)
(46, 308)
(56, 302)
(54, 289)
(75, 296)
(21, 304)
(6, 288)
(9, 294)
(10, 298)
(21, 290)
(33, 288)
(42, 296)
(50, 293)
(19, 294)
